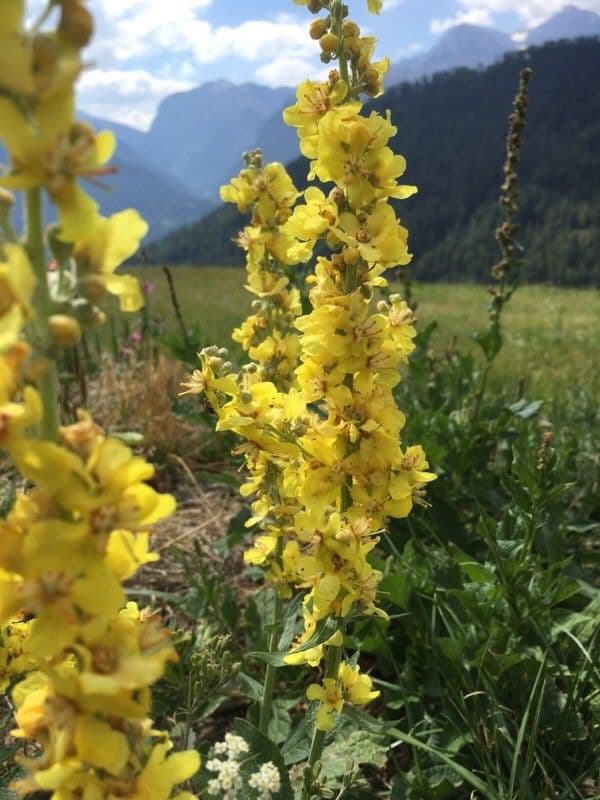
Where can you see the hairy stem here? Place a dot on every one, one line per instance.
(269, 685)
(332, 666)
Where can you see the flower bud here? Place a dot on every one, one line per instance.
(64, 331)
(372, 81)
(350, 29)
(314, 6)
(76, 24)
(318, 28)
(329, 43)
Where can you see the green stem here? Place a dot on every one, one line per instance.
(269, 685)
(48, 383)
(332, 666)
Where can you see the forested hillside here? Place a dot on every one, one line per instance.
(452, 130)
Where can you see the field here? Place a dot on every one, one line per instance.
(551, 335)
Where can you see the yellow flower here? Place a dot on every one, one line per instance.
(268, 191)
(262, 549)
(329, 693)
(379, 237)
(161, 773)
(314, 100)
(15, 418)
(17, 284)
(110, 242)
(54, 152)
(14, 660)
(99, 745)
(357, 687)
(313, 219)
(353, 152)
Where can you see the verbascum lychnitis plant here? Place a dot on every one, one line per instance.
(81, 528)
(315, 406)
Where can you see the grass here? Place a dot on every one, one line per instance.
(551, 334)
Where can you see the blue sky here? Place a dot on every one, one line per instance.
(147, 49)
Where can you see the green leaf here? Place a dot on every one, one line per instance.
(262, 749)
(451, 648)
(289, 623)
(523, 727)
(397, 587)
(360, 746)
(490, 342)
(280, 723)
(363, 720)
(465, 774)
(297, 746)
(471, 567)
(249, 686)
(514, 490)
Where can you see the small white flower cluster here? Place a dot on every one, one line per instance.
(267, 780)
(228, 780)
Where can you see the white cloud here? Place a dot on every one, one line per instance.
(284, 71)
(147, 49)
(475, 16)
(531, 12)
(128, 96)
(389, 4)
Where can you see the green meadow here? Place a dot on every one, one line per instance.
(551, 335)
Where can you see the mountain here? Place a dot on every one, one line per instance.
(461, 46)
(453, 131)
(199, 136)
(569, 23)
